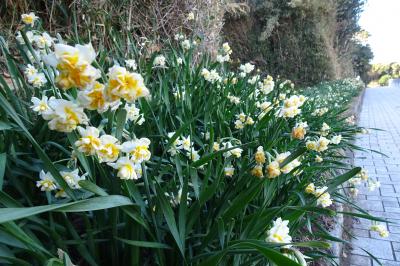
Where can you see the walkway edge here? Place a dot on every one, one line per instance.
(338, 247)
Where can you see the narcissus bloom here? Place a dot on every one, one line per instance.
(363, 174)
(246, 68)
(89, 142)
(259, 156)
(131, 63)
(265, 107)
(37, 80)
(257, 171)
(126, 85)
(175, 146)
(322, 144)
(310, 189)
(109, 149)
(186, 44)
(72, 178)
(185, 143)
(318, 159)
(159, 61)
(279, 233)
(325, 129)
(29, 19)
(299, 131)
(216, 146)
(380, 228)
(323, 197)
(233, 99)
(127, 169)
(353, 191)
(41, 106)
(236, 152)
(229, 170)
(42, 41)
(267, 85)
(138, 149)
(290, 166)
(291, 106)
(193, 155)
(190, 16)
(273, 169)
(223, 58)
(336, 139)
(30, 70)
(46, 182)
(227, 49)
(320, 111)
(93, 98)
(253, 80)
(311, 145)
(133, 114)
(65, 115)
(74, 65)
(211, 76)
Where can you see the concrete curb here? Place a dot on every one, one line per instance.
(337, 247)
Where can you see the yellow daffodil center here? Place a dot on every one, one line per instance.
(97, 99)
(47, 183)
(72, 117)
(89, 144)
(28, 19)
(140, 151)
(72, 74)
(110, 150)
(123, 86)
(278, 237)
(127, 168)
(43, 106)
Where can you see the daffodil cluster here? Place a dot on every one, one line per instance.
(126, 157)
(243, 120)
(246, 69)
(211, 76)
(260, 159)
(226, 51)
(323, 197)
(47, 182)
(267, 85)
(63, 115)
(275, 168)
(319, 145)
(291, 106)
(183, 144)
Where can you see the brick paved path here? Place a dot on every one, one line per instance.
(381, 109)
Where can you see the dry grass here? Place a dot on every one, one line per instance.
(156, 20)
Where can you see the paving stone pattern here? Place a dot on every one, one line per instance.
(381, 109)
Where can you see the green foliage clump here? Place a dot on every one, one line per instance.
(164, 160)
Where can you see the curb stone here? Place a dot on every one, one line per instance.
(337, 248)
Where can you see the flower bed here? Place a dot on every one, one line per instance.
(127, 157)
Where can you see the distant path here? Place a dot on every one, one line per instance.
(381, 109)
